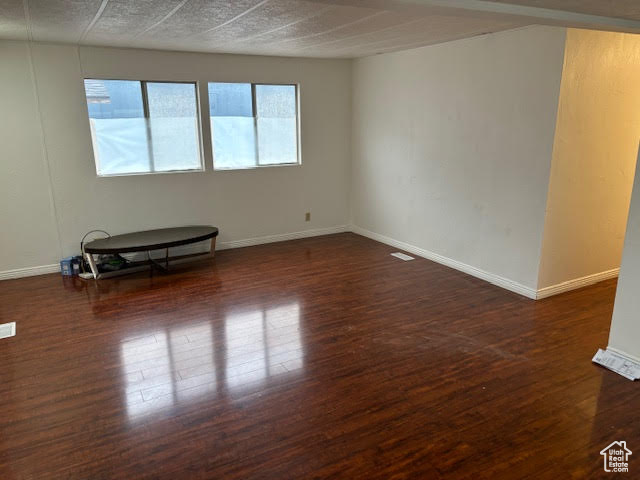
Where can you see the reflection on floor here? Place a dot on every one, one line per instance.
(172, 366)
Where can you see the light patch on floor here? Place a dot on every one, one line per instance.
(7, 330)
(402, 256)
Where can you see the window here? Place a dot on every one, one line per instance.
(143, 127)
(150, 127)
(253, 125)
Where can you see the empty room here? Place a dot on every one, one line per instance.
(295, 239)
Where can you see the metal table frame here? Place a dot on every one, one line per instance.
(150, 263)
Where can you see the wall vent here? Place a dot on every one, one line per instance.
(402, 256)
(7, 330)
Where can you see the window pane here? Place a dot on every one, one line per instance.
(118, 126)
(126, 142)
(173, 123)
(232, 125)
(277, 125)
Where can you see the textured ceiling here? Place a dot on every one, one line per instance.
(313, 28)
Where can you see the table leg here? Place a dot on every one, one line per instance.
(213, 247)
(92, 265)
(153, 263)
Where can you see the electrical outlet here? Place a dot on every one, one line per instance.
(307, 217)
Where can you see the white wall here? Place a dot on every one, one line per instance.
(594, 157)
(625, 324)
(452, 147)
(28, 232)
(243, 204)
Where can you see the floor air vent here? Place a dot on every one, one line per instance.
(7, 330)
(402, 256)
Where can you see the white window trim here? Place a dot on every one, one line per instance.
(145, 106)
(253, 106)
(205, 137)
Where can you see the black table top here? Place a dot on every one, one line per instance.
(151, 239)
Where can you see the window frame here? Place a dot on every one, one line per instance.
(145, 105)
(254, 110)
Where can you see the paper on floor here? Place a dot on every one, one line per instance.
(617, 363)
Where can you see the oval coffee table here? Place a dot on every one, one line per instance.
(145, 241)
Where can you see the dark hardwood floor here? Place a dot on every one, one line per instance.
(317, 358)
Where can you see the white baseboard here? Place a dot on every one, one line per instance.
(577, 283)
(196, 248)
(449, 262)
(633, 358)
(249, 242)
(29, 271)
(463, 267)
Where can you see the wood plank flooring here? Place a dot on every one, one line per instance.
(317, 358)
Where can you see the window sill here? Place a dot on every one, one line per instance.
(257, 167)
(138, 174)
(202, 170)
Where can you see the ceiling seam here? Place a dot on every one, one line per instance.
(97, 16)
(164, 19)
(385, 29)
(304, 19)
(388, 40)
(419, 44)
(224, 24)
(335, 29)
